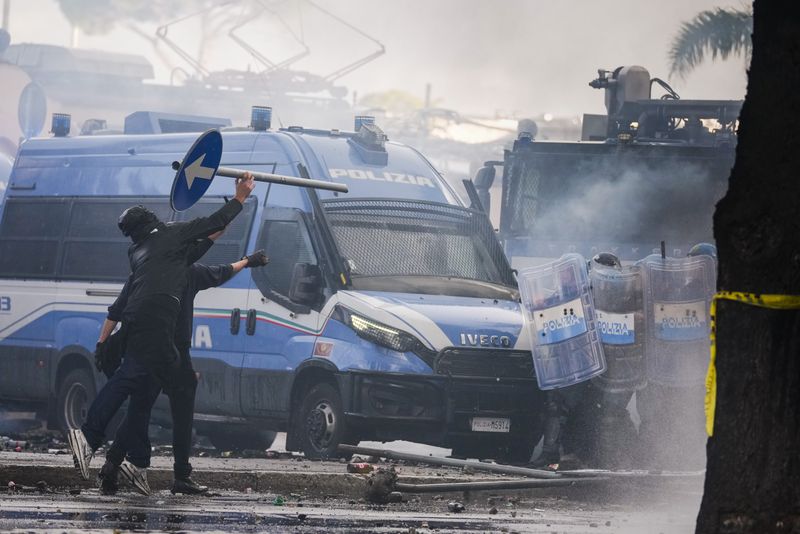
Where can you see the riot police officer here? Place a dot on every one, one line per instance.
(672, 429)
(619, 308)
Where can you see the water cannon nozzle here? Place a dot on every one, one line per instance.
(604, 79)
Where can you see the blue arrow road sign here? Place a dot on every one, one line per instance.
(197, 170)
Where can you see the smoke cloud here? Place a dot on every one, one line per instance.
(517, 57)
(623, 202)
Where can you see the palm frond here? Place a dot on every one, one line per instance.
(718, 32)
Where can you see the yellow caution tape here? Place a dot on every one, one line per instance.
(774, 302)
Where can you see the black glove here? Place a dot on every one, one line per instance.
(106, 359)
(100, 355)
(256, 259)
(108, 354)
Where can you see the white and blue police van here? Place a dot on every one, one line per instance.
(389, 312)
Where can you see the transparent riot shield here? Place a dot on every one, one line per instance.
(619, 308)
(678, 294)
(560, 318)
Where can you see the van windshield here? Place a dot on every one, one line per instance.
(419, 247)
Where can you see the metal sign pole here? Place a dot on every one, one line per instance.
(201, 164)
(285, 180)
(266, 177)
(451, 462)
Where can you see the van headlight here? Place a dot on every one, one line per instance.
(379, 333)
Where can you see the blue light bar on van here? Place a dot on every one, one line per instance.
(363, 119)
(261, 118)
(370, 144)
(61, 124)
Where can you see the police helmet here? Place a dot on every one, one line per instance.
(703, 249)
(134, 219)
(607, 259)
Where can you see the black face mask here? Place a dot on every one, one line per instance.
(136, 222)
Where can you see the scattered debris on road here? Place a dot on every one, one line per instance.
(361, 468)
(455, 507)
(380, 484)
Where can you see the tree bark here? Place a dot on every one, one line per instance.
(753, 473)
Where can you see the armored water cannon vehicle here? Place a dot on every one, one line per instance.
(650, 170)
(633, 115)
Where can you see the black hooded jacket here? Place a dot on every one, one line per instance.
(200, 277)
(158, 258)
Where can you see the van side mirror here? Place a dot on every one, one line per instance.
(484, 178)
(482, 182)
(306, 285)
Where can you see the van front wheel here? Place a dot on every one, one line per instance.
(320, 423)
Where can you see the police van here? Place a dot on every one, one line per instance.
(389, 312)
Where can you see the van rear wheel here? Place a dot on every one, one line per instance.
(320, 425)
(75, 395)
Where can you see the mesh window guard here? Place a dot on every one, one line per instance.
(413, 238)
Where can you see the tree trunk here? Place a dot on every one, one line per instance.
(753, 476)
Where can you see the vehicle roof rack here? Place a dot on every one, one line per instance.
(154, 122)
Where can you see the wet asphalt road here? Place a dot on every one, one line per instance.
(240, 512)
(662, 508)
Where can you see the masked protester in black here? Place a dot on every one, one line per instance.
(159, 273)
(130, 375)
(132, 436)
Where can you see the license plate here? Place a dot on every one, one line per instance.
(491, 424)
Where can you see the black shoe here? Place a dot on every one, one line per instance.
(188, 486)
(109, 482)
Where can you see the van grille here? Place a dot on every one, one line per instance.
(484, 363)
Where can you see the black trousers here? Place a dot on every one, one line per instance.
(151, 341)
(132, 440)
(560, 405)
(130, 379)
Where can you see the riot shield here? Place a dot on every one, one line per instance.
(560, 318)
(619, 307)
(678, 293)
